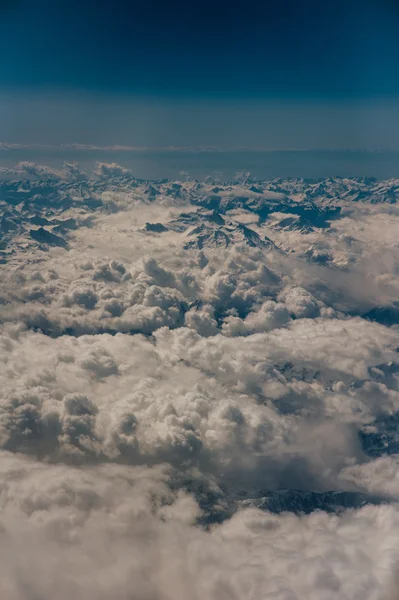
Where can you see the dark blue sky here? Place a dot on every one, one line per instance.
(331, 53)
(242, 47)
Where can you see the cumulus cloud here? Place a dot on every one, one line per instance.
(168, 414)
(270, 315)
(122, 532)
(104, 170)
(32, 170)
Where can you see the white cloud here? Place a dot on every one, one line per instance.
(148, 389)
(104, 170)
(32, 170)
(113, 531)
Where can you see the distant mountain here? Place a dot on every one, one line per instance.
(205, 236)
(290, 222)
(209, 229)
(385, 315)
(319, 254)
(298, 502)
(38, 210)
(43, 236)
(155, 227)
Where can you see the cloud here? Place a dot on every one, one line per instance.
(155, 398)
(270, 315)
(32, 170)
(104, 170)
(122, 532)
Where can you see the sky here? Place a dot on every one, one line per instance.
(281, 74)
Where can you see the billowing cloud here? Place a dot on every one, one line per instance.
(104, 170)
(202, 420)
(121, 532)
(31, 170)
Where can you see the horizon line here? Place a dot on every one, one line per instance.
(15, 146)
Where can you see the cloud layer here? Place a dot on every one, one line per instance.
(188, 375)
